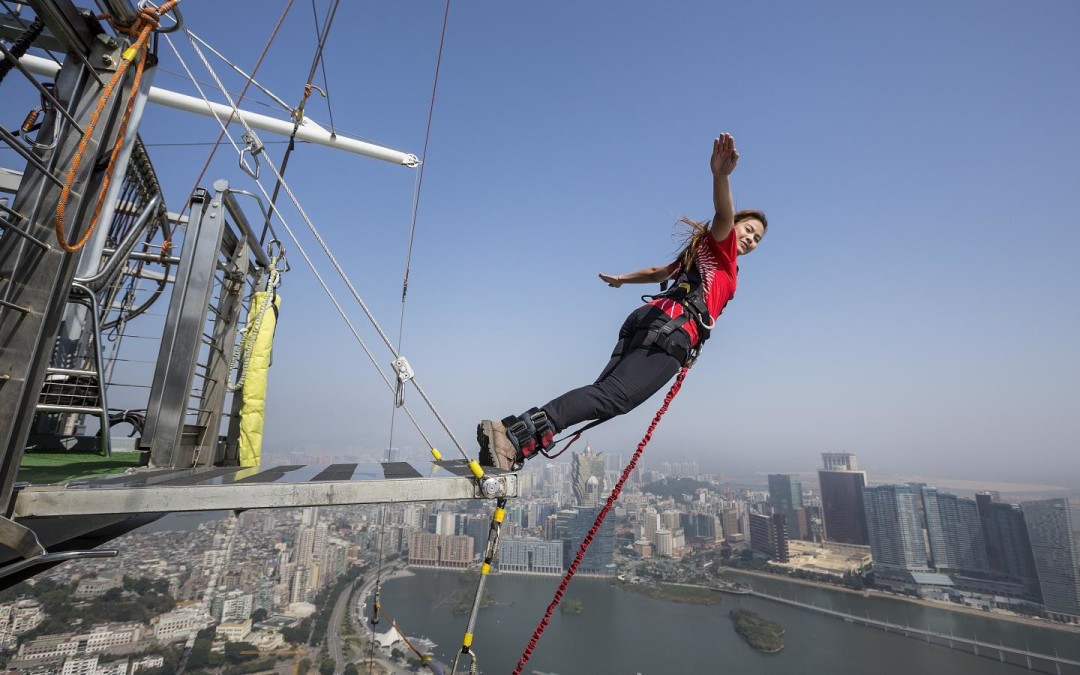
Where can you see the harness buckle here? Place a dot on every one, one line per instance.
(522, 437)
(542, 429)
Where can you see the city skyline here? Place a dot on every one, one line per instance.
(254, 577)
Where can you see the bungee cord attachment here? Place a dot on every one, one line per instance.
(491, 550)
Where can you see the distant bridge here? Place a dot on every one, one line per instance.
(942, 639)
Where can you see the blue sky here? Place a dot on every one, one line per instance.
(915, 300)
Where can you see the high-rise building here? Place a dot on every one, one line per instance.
(515, 515)
(533, 556)
(446, 522)
(839, 461)
(264, 594)
(478, 527)
(318, 544)
(335, 560)
(935, 529)
(300, 591)
(785, 495)
(415, 515)
(671, 519)
(587, 476)
(1008, 549)
(650, 523)
(551, 527)
(895, 533)
(729, 521)
(970, 544)
(664, 542)
(785, 492)
(1049, 526)
(954, 530)
(233, 606)
(842, 499)
(769, 536)
(761, 534)
(305, 546)
(600, 556)
(455, 551)
(443, 550)
(701, 527)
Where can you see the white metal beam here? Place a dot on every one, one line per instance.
(309, 130)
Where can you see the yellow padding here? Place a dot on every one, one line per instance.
(467, 642)
(438, 455)
(500, 513)
(253, 410)
(130, 53)
(485, 568)
(476, 469)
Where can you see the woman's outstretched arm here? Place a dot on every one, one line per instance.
(724, 159)
(644, 276)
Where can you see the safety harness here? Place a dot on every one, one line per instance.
(532, 432)
(689, 291)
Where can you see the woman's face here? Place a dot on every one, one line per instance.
(749, 233)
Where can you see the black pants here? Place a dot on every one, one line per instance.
(629, 378)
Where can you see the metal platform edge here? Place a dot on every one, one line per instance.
(58, 500)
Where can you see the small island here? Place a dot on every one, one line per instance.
(572, 607)
(465, 605)
(761, 634)
(685, 593)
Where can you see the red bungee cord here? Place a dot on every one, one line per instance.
(572, 570)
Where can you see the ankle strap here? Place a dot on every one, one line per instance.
(530, 432)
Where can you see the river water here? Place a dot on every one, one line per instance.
(624, 632)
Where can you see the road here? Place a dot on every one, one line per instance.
(333, 630)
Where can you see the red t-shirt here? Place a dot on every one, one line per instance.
(717, 262)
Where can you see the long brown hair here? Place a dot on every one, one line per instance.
(696, 231)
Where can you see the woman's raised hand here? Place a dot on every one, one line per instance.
(610, 280)
(724, 155)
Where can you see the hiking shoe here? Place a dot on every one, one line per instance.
(496, 449)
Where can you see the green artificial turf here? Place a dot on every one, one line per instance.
(57, 467)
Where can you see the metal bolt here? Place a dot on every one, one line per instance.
(107, 59)
(491, 487)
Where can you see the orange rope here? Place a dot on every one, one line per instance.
(145, 24)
